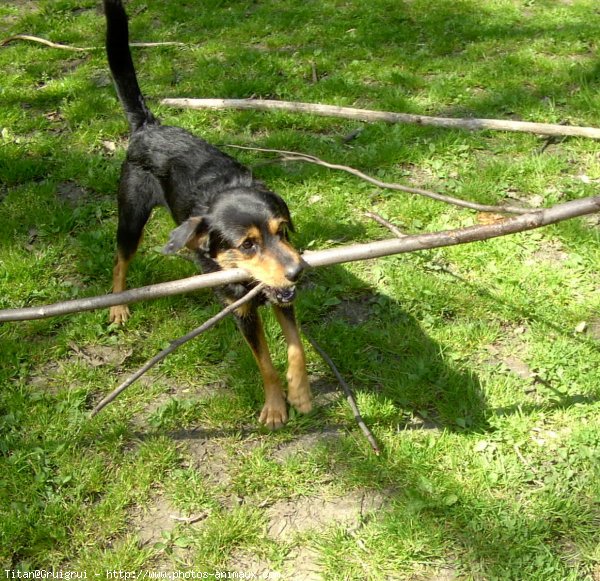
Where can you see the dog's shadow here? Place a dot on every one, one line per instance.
(402, 376)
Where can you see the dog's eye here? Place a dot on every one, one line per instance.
(248, 244)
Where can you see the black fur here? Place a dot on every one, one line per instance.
(217, 202)
(171, 167)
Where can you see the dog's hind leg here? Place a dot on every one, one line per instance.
(274, 412)
(139, 193)
(298, 386)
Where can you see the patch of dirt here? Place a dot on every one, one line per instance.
(249, 563)
(444, 574)
(211, 459)
(305, 443)
(176, 391)
(593, 329)
(303, 565)
(355, 312)
(291, 517)
(139, 421)
(99, 355)
(551, 252)
(509, 358)
(418, 176)
(592, 220)
(287, 518)
(24, 7)
(71, 193)
(324, 391)
(149, 524)
(46, 376)
(153, 525)
(422, 422)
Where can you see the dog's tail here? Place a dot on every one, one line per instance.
(121, 66)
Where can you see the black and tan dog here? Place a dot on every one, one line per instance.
(225, 216)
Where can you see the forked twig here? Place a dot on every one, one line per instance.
(296, 156)
(175, 344)
(349, 395)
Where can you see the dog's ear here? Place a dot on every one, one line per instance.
(192, 233)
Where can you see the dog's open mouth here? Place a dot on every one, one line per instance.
(280, 296)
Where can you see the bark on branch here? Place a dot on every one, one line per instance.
(469, 124)
(341, 254)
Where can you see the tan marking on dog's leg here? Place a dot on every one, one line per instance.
(119, 313)
(298, 385)
(274, 412)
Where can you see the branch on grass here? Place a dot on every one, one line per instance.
(51, 44)
(295, 156)
(331, 256)
(176, 344)
(388, 117)
(349, 395)
(381, 220)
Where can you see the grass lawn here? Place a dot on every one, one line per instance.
(477, 367)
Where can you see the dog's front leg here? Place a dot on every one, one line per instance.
(298, 386)
(274, 412)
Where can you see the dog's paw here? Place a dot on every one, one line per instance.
(301, 401)
(274, 415)
(119, 314)
(299, 392)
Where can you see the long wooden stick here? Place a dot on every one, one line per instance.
(338, 255)
(387, 116)
(296, 156)
(175, 345)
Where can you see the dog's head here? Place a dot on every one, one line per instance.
(246, 228)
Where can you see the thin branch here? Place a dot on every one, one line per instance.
(51, 44)
(189, 520)
(349, 395)
(386, 116)
(176, 344)
(381, 220)
(328, 257)
(295, 156)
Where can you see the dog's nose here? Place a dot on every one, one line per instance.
(293, 271)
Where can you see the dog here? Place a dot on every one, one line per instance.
(224, 215)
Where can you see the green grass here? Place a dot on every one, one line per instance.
(469, 363)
